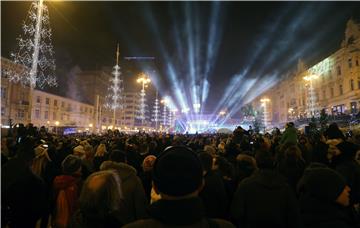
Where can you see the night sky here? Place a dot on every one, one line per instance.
(262, 39)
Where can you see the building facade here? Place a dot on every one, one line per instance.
(56, 111)
(333, 84)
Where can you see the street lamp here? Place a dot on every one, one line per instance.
(144, 80)
(311, 105)
(56, 126)
(264, 102)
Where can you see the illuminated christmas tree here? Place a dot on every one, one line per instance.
(35, 50)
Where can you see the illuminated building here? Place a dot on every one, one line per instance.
(332, 84)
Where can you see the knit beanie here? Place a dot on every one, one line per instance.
(71, 164)
(177, 171)
(323, 183)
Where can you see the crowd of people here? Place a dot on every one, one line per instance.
(244, 179)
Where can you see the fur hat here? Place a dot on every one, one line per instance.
(177, 171)
(71, 164)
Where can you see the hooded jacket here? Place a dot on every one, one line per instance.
(265, 200)
(133, 192)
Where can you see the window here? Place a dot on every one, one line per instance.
(338, 70)
(62, 104)
(3, 111)
(324, 94)
(330, 74)
(20, 114)
(37, 114)
(47, 101)
(350, 63)
(332, 92)
(46, 116)
(86, 109)
(81, 108)
(357, 62)
(38, 100)
(55, 102)
(3, 92)
(62, 116)
(90, 110)
(54, 115)
(352, 84)
(340, 89)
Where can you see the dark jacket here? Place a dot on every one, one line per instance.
(320, 214)
(133, 192)
(265, 200)
(23, 194)
(214, 196)
(178, 213)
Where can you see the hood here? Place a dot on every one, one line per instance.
(64, 181)
(125, 170)
(269, 179)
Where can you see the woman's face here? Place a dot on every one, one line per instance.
(344, 198)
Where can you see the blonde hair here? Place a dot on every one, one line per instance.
(100, 150)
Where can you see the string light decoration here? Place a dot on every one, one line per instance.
(114, 98)
(34, 50)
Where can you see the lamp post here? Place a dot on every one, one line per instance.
(264, 102)
(312, 97)
(56, 126)
(144, 80)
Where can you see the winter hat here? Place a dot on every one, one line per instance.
(323, 183)
(148, 163)
(177, 171)
(71, 164)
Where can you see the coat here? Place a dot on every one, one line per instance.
(265, 200)
(320, 214)
(23, 194)
(214, 196)
(135, 201)
(178, 213)
(289, 136)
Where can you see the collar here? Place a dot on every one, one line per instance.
(178, 212)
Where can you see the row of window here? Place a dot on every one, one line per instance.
(47, 101)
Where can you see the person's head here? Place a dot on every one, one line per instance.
(100, 150)
(177, 173)
(333, 132)
(71, 165)
(324, 184)
(148, 163)
(101, 194)
(246, 165)
(79, 151)
(292, 153)
(118, 156)
(264, 159)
